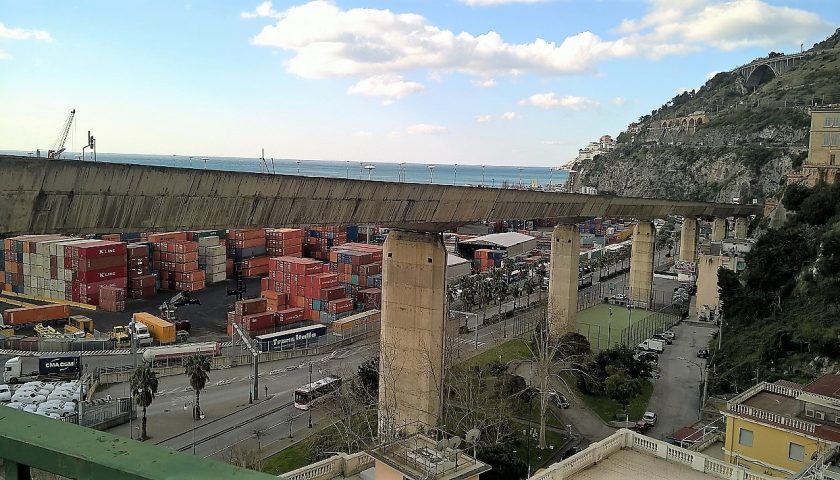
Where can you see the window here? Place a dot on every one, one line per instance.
(834, 138)
(825, 140)
(819, 415)
(832, 159)
(796, 452)
(827, 121)
(809, 413)
(745, 437)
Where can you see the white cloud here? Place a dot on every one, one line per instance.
(362, 42)
(551, 100)
(483, 118)
(394, 134)
(484, 82)
(363, 134)
(4, 55)
(265, 9)
(24, 34)
(508, 116)
(725, 25)
(390, 87)
(618, 101)
(484, 3)
(425, 129)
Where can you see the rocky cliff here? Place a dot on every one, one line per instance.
(724, 140)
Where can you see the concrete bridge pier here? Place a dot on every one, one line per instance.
(641, 263)
(563, 279)
(741, 224)
(413, 330)
(688, 240)
(718, 229)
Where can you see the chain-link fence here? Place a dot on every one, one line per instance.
(656, 322)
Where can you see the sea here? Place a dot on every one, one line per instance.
(441, 174)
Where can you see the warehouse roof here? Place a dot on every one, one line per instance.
(504, 240)
(452, 259)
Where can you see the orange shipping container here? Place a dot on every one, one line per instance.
(161, 330)
(21, 316)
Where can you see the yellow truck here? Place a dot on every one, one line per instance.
(161, 330)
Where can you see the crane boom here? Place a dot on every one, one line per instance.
(56, 152)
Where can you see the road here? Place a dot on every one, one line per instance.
(228, 416)
(676, 394)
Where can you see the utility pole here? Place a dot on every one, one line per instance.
(310, 391)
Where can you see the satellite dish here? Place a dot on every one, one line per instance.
(472, 435)
(455, 442)
(441, 445)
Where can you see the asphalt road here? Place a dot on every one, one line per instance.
(676, 394)
(228, 416)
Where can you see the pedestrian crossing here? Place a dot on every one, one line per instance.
(467, 341)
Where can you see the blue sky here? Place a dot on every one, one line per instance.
(504, 82)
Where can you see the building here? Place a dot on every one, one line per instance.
(779, 428)
(627, 455)
(456, 267)
(727, 254)
(511, 243)
(823, 163)
(415, 457)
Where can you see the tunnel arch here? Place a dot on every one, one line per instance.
(759, 76)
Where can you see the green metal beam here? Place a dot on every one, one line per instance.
(76, 452)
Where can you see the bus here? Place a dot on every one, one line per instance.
(308, 395)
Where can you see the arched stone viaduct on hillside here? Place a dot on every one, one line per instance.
(764, 69)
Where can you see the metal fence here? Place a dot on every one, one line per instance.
(656, 322)
(102, 414)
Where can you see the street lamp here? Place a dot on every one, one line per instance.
(455, 176)
(187, 404)
(482, 175)
(703, 380)
(431, 173)
(298, 166)
(310, 391)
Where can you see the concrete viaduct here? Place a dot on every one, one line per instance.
(763, 69)
(41, 196)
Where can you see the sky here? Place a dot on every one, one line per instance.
(496, 82)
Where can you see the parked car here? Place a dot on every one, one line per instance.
(670, 334)
(641, 426)
(649, 418)
(28, 398)
(664, 338)
(702, 354)
(619, 299)
(5, 393)
(568, 453)
(559, 399)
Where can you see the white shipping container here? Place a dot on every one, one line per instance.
(208, 241)
(216, 277)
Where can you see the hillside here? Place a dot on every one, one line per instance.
(745, 142)
(783, 311)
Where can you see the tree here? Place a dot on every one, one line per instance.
(622, 388)
(368, 380)
(144, 386)
(540, 272)
(197, 368)
(528, 288)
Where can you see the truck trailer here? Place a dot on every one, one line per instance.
(64, 367)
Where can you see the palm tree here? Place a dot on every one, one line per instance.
(540, 273)
(144, 386)
(528, 287)
(197, 367)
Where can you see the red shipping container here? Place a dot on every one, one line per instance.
(340, 306)
(194, 276)
(333, 293)
(92, 276)
(92, 288)
(111, 293)
(99, 263)
(99, 249)
(258, 321)
(135, 250)
(249, 307)
(144, 292)
(185, 247)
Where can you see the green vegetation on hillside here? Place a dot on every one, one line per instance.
(784, 310)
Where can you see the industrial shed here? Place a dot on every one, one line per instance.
(456, 267)
(512, 243)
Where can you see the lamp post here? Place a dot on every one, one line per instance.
(431, 173)
(310, 391)
(482, 175)
(455, 176)
(187, 404)
(703, 380)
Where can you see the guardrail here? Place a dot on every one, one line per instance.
(342, 464)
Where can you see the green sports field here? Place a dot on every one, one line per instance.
(601, 330)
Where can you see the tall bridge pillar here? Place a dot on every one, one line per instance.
(741, 227)
(563, 278)
(413, 330)
(641, 263)
(718, 229)
(688, 240)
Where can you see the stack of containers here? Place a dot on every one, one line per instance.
(141, 282)
(95, 264)
(176, 261)
(252, 315)
(15, 262)
(246, 246)
(486, 259)
(212, 258)
(369, 298)
(322, 238)
(284, 242)
(112, 299)
(309, 287)
(355, 263)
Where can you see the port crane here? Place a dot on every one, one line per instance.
(58, 149)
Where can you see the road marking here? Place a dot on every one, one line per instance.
(466, 341)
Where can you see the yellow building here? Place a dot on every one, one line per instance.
(778, 428)
(823, 163)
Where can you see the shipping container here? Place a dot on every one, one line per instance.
(160, 329)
